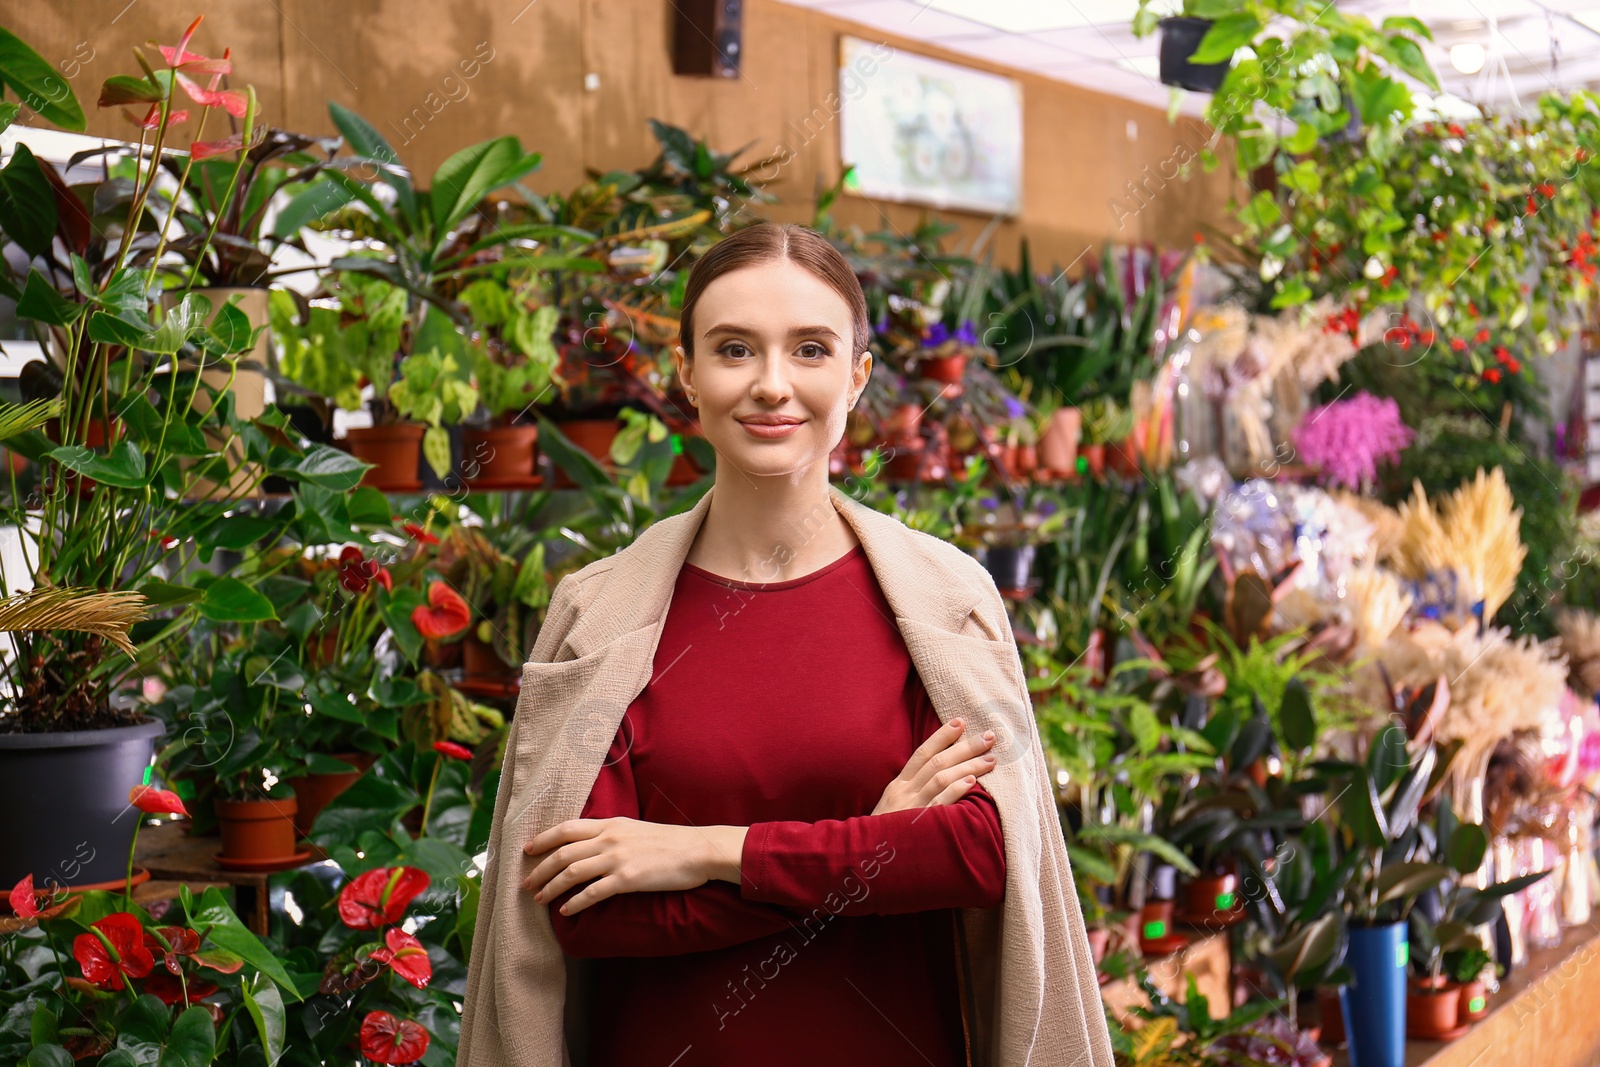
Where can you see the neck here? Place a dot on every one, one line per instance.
(770, 529)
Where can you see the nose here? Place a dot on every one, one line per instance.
(771, 385)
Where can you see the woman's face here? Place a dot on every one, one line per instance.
(772, 374)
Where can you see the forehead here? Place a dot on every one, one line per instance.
(775, 297)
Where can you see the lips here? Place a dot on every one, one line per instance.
(771, 420)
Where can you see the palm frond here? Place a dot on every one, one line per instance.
(108, 614)
(20, 418)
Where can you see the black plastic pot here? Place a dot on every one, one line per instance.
(1180, 39)
(1009, 565)
(65, 795)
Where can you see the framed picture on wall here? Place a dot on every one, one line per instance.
(924, 131)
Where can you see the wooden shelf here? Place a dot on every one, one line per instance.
(1207, 958)
(173, 858)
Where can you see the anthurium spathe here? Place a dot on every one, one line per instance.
(153, 801)
(446, 613)
(113, 947)
(380, 896)
(25, 901)
(386, 1039)
(404, 953)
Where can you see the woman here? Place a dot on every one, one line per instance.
(740, 819)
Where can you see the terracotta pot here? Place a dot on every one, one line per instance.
(1474, 1001)
(950, 369)
(1123, 458)
(685, 471)
(479, 660)
(1058, 444)
(905, 424)
(499, 451)
(1331, 1015)
(1027, 458)
(395, 450)
(313, 792)
(904, 465)
(441, 656)
(594, 436)
(1099, 940)
(1096, 455)
(258, 831)
(1431, 1013)
(1210, 896)
(1155, 921)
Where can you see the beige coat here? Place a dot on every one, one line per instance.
(1030, 998)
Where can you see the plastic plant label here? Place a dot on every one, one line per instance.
(1224, 901)
(1402, 954)
(1475, 1005)
(1153, 930)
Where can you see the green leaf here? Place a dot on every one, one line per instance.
(1467, 847)
(27, 204)
(1378, 97)
(142, 1030)
(38, 84)
(1262, 213)
(1226, 36)
(330, 468)
(48, 1055)
(366, 141)
(1388, 759)
(1403, 881)
(436, 449)
(41, 302)
(165, 594)
(1407, 55)
(193, 1041)
(265, 1005)
(225, 931)
(180, 324)
(315, 201)
(230, 600)
(1291, 293)
(1363, 812)
(8, 114)
(123, 466)
(122, 89)
(474, 172)
(1296, 717)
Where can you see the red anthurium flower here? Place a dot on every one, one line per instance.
(356, 572)
(1513, 366)
(1492, 375)
(380, 896)
(172, 990)
(25, 901)
(418, 533)
(385, 1039)
(406, 955)
(1546, 190)
(446, 613)
(153, 801)
(114, 947)
(1458, 344)
(1501, 353)
(1481, 336)
(152, 118)
(199, 150)
(453, 750)
(383, 579)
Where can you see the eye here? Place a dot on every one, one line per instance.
(728, 349)
(820, 351)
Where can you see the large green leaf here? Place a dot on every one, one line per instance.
(1225, 37)
(471, 174)
(122, 466)
(38, 84)
(366, 141)
(330, 468)
(224, 930)
(265, 1004)
(230, 600)
(1295, 716)
(27, 205)
(41, 302)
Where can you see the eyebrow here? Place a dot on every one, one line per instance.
(798, 331)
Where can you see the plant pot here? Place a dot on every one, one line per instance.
(1099, 941)
(499, 452)
(904, 465)
(313, 792)
(1058, 444)
(479, 660)
(1095, 456)
(394, 450)
(1330, 1012)
(258, 832)
(948, 369)
(1211, 895)
(1180, 39)
(594, 436)
(441, 655)
(1375, 1004)
(1432, 1014)
(1123, 458)
(66, 798)
(1011, 566)
(685, 471)
(1474, 1001)
(1155, 929)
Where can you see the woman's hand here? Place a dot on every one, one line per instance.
(940, 771)
(629, 856)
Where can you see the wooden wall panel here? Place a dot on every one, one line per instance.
(400, 63)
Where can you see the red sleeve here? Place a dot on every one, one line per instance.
(656, 923)
(949, 856)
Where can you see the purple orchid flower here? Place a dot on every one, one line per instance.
(936, 335)
(967, 334)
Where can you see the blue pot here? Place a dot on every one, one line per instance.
(1375, 1003)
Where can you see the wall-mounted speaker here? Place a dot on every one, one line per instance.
(707, 37)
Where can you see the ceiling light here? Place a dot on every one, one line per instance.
(1036, 16)
(1467, 57)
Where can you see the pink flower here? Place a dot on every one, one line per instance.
(1347, 438)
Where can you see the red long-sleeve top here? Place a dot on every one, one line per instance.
(786, 707)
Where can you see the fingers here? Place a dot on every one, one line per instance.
(940, 783)
(953, 792)
(937, 742)
(601, 889)
(561, 833)
(549, 877)
(965, 749)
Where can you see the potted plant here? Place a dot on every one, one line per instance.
(512, 364)
(499, 571)
(113, 553)
(1104, 421)
(433, 389)
(1195, 55)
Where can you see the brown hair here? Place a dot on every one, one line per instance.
(763, 243)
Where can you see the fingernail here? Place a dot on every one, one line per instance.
(955, 722)
(988, 735)
(988, 759)
(539, 895)
(970, 779)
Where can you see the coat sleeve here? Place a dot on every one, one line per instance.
(919, 859)
(656, 923)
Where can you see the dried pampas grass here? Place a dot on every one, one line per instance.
(63, 608)
(1377, 604)
(1475, 532)
(1388, 528)
(1580, 640)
